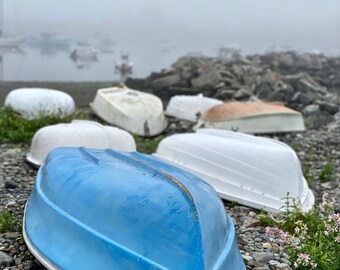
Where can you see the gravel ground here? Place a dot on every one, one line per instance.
(314, 147)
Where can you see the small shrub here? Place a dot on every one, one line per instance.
(327, 173)
(6, 222)
(312, 239)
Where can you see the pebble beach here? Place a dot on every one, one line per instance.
(316, 147)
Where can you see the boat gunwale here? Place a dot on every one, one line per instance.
(290, 114)
(33, 249)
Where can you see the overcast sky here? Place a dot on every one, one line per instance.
(247, 23)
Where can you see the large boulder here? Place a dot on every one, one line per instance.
(282, 92)
(263, 90)
(315, 118)
(166, 81)
(207, 80)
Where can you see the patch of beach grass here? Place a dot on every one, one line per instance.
(6, 222)
(327, 172)
(14, 128)
(147, 145)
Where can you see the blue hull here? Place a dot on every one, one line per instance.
(96, 209)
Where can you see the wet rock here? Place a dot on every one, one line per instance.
(11, 235)
(166, 82)
(328, 107)
(263, 90)
(5, 259)
(247, 259)
(207, 80)
(282, 92)
(10, 184)
(262, 268)
(283, 266)
(266, 245)
(242, 94)
(263, 257)
(335, 124)
(307, 98)
(314, 118)
(224, 94)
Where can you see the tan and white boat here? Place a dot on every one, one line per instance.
(252, 117)
(135, 111)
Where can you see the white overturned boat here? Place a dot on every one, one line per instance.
(76, 134)
(34, 103)
(252, 117)
(190, 107)
(138, 112)
(253, 171)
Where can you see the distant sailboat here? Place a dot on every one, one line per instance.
(124, 67)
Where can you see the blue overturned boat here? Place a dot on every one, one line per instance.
(104, 209)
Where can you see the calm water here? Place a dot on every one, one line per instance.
(53, 64)
(156, 33)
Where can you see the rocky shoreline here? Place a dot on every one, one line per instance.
(314, 147)
(310, 84)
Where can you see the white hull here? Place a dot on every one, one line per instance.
(79, 133)
(190, 107)
(272, 123)
(138, 112)
(253, 171)
(252, 117)
(34, 103)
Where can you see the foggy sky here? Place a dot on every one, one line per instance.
(250, 24)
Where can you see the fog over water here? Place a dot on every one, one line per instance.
(156, 32)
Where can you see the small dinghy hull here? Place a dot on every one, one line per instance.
(254, 171)
(190, 107)
(35, 103)
(252, 117)
(135, 111)
(103, 209)
(76, 134)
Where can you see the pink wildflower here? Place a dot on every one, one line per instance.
(304, 260)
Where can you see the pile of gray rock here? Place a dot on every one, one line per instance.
(309, 83)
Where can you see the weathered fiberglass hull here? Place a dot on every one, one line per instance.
(254, 171)
(103, 209)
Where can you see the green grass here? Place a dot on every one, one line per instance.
(327, 172)
(306, 170)
(6, 222)
(147, 145)
(14, 128)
